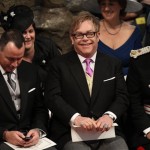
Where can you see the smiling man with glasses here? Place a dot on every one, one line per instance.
(85, 88)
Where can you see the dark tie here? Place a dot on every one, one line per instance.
(89, 70)
(11, 82)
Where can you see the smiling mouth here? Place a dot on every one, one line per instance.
(27, 41)
(108, 13)
(85, 44)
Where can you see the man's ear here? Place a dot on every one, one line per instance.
(98, 35)
(72, 40)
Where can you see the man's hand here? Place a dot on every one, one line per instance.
(104, 123)
(85, 122)
(34, 133)
(14, 137)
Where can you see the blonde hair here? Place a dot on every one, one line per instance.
(81, 17)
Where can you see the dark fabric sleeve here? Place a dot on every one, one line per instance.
(139, 117)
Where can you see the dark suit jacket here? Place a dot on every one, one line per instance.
(45, 50)
(33, 113)
(67, 92)
(138, 83)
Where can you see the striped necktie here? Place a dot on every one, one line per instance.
(89, 70)
(11, 82)
(89, 74)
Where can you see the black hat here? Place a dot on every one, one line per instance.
(18, 17)
(93, 6)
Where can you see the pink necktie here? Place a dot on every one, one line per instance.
(89, 70)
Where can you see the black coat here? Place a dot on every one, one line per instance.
(67, 92)
(33, 113)
(45, 50)
(138, 83)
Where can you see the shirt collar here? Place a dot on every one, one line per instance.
(3, 71)
(81, 58)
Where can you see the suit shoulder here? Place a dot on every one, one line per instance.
(28, 66)
(141, 62)
(62, 57)
(109, 58)
(141, 57)
(45, 46)
(40, 39)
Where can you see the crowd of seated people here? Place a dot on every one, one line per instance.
(105, 79)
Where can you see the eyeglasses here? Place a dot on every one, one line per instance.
(81, 35)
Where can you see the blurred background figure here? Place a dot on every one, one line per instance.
(117, 37)
(138, 83)
(146, 11)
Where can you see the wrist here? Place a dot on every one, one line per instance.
(4, 135)
(111, 116)
(78, 120)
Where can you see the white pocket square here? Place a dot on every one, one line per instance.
(31, 90)
(109, 79)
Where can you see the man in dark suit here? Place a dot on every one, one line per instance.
(22, 111)
(138, 83)
(74, 99)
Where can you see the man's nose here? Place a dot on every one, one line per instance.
(85, 37)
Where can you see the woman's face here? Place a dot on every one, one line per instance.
(29, 36)
(110, 9)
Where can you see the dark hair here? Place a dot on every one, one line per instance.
(81, 17)
(12, 35)
(122, 3)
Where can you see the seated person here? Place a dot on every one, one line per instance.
(138, 83)
(117, 37)
(22, 110)
(86, 88)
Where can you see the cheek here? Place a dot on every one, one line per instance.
(33, 36)
(6, 64)
(24, 35)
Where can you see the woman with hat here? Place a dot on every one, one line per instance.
(117, 38)
(39, 49)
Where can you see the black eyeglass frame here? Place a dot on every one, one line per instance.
(81, 35)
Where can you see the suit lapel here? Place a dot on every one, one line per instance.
(23, 87)
(78, 74)
(4, 92)
(100, 71)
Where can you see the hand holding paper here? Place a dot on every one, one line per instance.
(42, 144)
(85, 122)
(79, 134)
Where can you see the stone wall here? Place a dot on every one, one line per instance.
(52, 17)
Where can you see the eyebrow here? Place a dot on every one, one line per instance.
(14, 58)
(86, 31)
